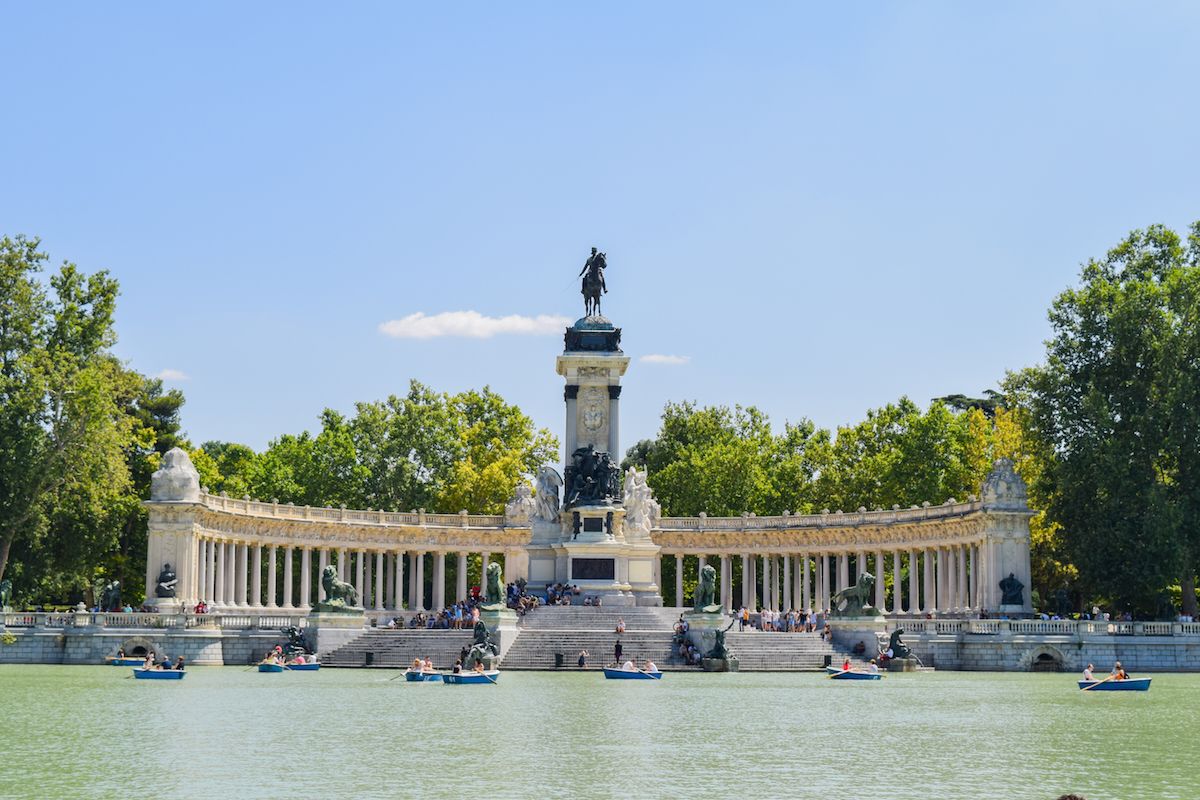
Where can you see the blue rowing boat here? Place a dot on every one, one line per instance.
(270, 667)
(159, 674)
(491, 676)
(852, 675)
(1127, 685)
(126, 662)
(417, 676)
(311, 667)
(618, 674)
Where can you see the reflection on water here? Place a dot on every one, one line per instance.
(229, 733)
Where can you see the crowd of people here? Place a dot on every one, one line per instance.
(772, 621)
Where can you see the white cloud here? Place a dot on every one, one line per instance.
(658, 358)
(172, 375)
(470, 324)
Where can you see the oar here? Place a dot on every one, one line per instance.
(401, 675)
(841, 672)
(1097, 683)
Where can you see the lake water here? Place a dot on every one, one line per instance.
(223, 732)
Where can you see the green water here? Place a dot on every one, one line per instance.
(222, 732)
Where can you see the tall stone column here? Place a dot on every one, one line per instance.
(240, 572)
(360, 559)
(218, 593)
(880, 574)
(914, 594)
(679, 580)
(766, 581)
(272, 589)
(927, 577)
(484, 560)
(439, 581)
(943, 597)
(785, 603)
(726, 582)
(287, 577)
(343, 564)
(805, 602)
(211, 586)
(398, 580)
(230, 575)
(897, 585)
(843, 568)
(746, 584)
(460, 579)
(306, 577)
(964, 591)
(420, 582)
(202, 578)
(379, 580)
(256, 578)
(322, 563)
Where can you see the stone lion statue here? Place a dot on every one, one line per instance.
(495, 585)
(855, 601)
(338, 594)
(546, 503)
(482, 649)
(706, 591)
(5, 593)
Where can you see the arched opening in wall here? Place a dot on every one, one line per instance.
(137, 647)
(1046, 662)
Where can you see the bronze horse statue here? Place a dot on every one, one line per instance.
(593, 282)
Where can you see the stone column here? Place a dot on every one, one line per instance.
(753, 583)
(964, 592)
(343, 564)
(614, 428)
(379, 580)
(726, 583)
(272, 593)
(943, 582)
(679, 580)
(368, 579)
(287, 577)
(805, 602)
(211, 586)
(241, 572)
(359, 573)
(484, 560)
(975, 598)
(843, 568)
(914, 594)
(927, 578)
(746, 580)
(439, 581)
(786, 602)
(881, 571)
(202, 575)
(460, 580)
(230, 575)
(897, 585)
(398, 581)
(306, 577)
(256, 578)
(420, 582)
(766, 581)
(218, 593)
(322, 563)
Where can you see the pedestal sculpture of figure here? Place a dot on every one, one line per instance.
(165, 585)
(592, 478)
(593, 284)
(546, 503)
(340, 597)
(1010, 591)
(855, 601)
(706, 589)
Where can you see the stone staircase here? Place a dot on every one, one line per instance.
(784, 652)
(397, 648)
(550, 630)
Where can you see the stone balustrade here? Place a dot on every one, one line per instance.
(1039, 627)
(86, 619)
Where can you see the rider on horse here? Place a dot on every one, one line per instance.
(593, 281)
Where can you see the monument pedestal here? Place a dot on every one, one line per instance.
(165, 605)
(329, 630)
(849, 632)
(719, 664)
(902, 665)
(502, 625)
(702, 631)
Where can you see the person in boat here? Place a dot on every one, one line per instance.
(416, 665)
(165, 663)
(628, 666)
(120, 652)
(149, 662)
(1087, 673)
(651, 666)
(479, 666)
(1118, 672)
(873, 668)
(428, 665)
(179, 663)
(457, 668)
(846, 665)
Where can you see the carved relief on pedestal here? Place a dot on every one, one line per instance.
(593, 417)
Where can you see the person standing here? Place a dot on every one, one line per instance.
(583, 657)
(617, 651)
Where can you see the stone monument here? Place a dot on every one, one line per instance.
(581, 531)
(338, 618)
(498, 620)
(705, 624)
(855, 624)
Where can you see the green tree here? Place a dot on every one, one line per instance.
(1118, 404)
(63, 427)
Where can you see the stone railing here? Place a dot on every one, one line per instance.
(1063, 627)
(86, 619)
(257, 508)
(836, 519)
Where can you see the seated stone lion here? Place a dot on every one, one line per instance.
(338, 594)
(855, 601)
(706, 591)
(494, 596)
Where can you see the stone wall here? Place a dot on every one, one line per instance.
(1020, 653)
(213, 648)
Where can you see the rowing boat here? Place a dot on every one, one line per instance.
(1127, 685)
(852, 675)
(311, 666)
(159, 674)
(417, 676)
(619, 674)
(270, 667)
(126, 662)
(491, 676)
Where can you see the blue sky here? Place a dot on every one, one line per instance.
(819, 208)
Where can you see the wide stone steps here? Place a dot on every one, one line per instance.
(600, 619)
(397, 648)
(536, 649)
(760, 651)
